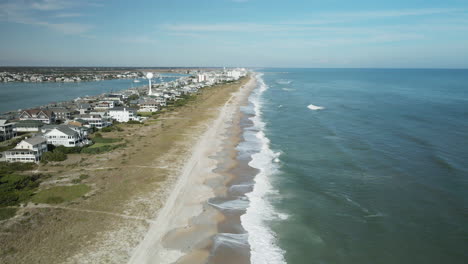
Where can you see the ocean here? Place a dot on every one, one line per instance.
(23, 95)
(357, 166)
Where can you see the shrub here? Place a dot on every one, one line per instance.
(101, 149)
(10, 167)
(69, 150)
(17, 188)
(106, 140)
(133, 122)
(54, 156)
(111, 128)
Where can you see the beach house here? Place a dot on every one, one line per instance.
(94, 121)
(28, 150)
(45, 116)
(149, 105)
(123, 114)
(7, 130)
(65, 135)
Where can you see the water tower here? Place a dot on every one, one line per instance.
(149, 75)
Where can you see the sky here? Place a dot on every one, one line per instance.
(231, 33)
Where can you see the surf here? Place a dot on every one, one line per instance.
(262, 239)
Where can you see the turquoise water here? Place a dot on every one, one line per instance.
(379, 175)
(19, 95)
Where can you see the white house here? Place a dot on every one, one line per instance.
(28, 150)
(96, 121)
(65, 135)
(149, 105)
(122, 114)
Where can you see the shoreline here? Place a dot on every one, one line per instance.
(185, 226)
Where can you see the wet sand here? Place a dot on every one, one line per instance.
(186, 228)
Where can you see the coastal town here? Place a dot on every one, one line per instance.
(28, 134)
(11, 76)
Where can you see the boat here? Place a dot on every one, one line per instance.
(136, 81)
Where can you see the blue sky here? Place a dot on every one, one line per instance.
(253, 33)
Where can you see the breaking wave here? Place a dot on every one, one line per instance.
(262, 239)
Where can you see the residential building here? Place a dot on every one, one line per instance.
(149, 105)
(105, 105)
(122, 114)
(28, 150)
(65, 135)
(61, 113)
(28, 126)
(7, 130)
(43, 115)
(96, 121)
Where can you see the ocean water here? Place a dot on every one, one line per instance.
(20, 95)
(358, 166)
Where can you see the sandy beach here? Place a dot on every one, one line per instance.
(183, 229)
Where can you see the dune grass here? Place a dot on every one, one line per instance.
(60, 194)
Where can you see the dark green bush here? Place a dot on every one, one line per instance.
(133, 122)
(10, 167)
(54, 156)
(102, 149)
(68, 150)
(17, 188)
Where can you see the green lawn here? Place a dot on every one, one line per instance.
(60, 194)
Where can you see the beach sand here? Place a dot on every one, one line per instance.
(148, 199)
(184, 228)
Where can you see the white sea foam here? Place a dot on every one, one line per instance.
(231, 240)
(315, 107)
(237, 204)
(263, 244)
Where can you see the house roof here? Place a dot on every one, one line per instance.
(32, 112)
(62, 128)
(122, 109)
(66, 130)
(29, 123)
(35, 140)
(4, 122)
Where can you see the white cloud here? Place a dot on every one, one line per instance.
(39, 12)
(49, 5)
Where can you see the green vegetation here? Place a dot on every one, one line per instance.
(111, 128)
(133, 122)
(6, 213)
(96, 149)
(67, 150)
(53, 156)
(60, 194)
(84, 176)
(11, 167)
(105, 140)
(15, 188)
(183, 100)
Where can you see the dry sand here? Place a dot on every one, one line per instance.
(184, 227)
